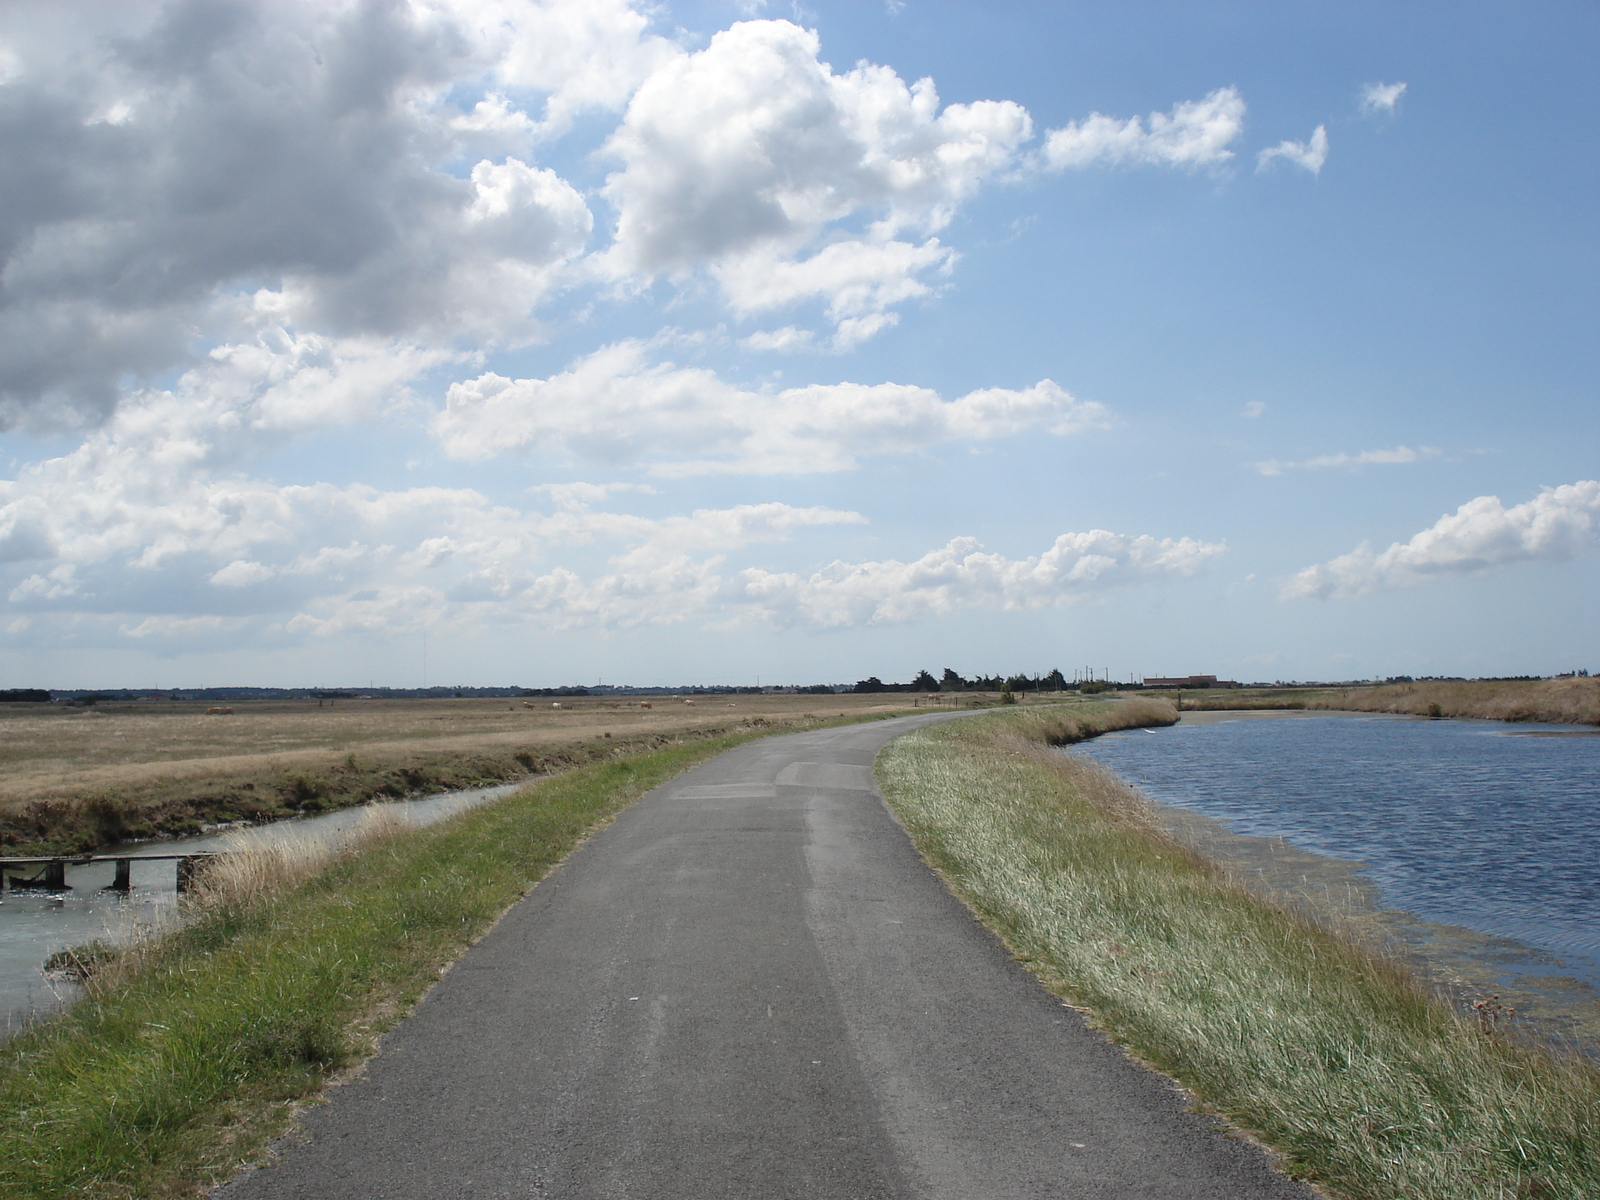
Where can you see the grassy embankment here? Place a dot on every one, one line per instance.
(73, 780)
(188, 1052)
(1571, 701)
(1334, 1057)
(166, 808)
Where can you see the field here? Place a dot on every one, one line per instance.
(73, 779)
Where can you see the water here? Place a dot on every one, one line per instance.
(1469, 825)
(34, 925)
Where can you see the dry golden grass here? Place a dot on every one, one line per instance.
(250, 870)
(1556, 701)
(55, 753)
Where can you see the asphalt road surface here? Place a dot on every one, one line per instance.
(750, 986)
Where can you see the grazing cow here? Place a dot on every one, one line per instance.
(645, 704)
(217, 711)
(555, 704)
(690, 703)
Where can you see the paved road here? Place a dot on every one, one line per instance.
(750, 986)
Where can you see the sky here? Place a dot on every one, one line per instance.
(489, 342)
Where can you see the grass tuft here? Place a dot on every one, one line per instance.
(1329, 1053)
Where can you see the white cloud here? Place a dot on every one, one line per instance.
(151, 532)
(1310, 155)
(784, 341)
(1394, 456)
(858, 280)
(1381, 97)
(961, 575)
(157, 159)
(1558, 524)
(136, 535)
(241, 573)
(616, 407)
(582, 55)
(1196, 133)
(580, 496)
(740, 156)
(1253, 409)
(753, 141)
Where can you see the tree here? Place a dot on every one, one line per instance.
(924, 683)
(870, 684)
(952, 682)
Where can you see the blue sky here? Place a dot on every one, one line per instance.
(698, 343)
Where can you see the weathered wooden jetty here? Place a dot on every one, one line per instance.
(49, 871)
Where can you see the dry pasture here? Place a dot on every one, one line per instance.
(52, 752)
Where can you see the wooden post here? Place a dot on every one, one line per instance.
(124, 880)
(54, 878)
(188, 867)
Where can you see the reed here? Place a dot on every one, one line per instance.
(1571, 701)
(1330, 1054)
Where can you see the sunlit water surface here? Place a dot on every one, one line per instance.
(1468, 825)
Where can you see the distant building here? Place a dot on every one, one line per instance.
(1189, 681)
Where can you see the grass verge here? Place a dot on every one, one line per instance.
(1364, 1082)
(188, 1054)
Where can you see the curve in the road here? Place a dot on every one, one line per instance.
(749, 985)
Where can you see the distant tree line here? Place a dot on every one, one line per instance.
(952, 682)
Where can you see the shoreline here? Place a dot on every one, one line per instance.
(1462, 963)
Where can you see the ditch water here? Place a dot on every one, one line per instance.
(36, 924)
(1469, 848)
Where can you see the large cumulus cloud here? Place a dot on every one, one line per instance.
(219, 145)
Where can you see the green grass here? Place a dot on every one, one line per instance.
(1334, 1057)
(186, 1060)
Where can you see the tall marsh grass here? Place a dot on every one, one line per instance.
(1572, 701)
(1364, 1082)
